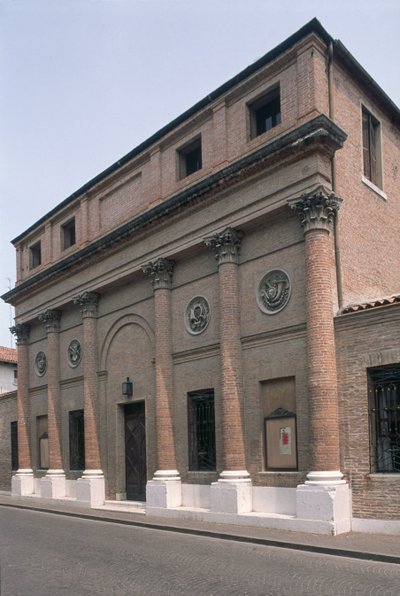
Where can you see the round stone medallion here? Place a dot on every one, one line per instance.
(40, 364)
(197, 315)
(273, 291)
(74, 353)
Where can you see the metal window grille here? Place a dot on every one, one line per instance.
(386, 418)
(76, 440)
(201, 421)
(14, 446)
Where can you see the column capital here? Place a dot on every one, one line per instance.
(316, 209)
(21, 332)
(88, 301)
(51, 319)
(161, 272)
(225, 245)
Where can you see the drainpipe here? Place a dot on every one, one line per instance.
(331, 106)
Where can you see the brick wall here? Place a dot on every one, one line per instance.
(8, 414)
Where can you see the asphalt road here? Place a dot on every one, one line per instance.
(50, 555)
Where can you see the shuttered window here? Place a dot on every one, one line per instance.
(371, 149)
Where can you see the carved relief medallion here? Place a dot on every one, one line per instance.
(40, 364)
(74, 353)
(273, 291)
(197, 315)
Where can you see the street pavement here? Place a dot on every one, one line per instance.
(378, 547)
(58, 554)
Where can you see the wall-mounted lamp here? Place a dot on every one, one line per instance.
(127, 387)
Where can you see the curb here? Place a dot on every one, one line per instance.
(325, 550)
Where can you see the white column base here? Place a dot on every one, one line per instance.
(330, 478)
(330, 503)
(232, 493)
(22, 483)
(52, 486)
(164, 490)
(90, 488)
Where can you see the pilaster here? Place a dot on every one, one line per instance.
(164, 490)
(53, 484)
(90, 488)
(232, 492)
(22, 482)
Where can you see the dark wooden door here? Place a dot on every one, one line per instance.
(135, 452)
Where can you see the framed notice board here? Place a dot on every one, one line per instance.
(280, 440)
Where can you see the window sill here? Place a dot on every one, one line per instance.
(379, 476)
(375, 188)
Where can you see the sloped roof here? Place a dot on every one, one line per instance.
(371, 304)
(8, 355)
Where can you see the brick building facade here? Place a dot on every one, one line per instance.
(201, 327)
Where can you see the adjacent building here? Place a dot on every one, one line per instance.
(210, 326)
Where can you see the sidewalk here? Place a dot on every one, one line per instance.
(377, 547)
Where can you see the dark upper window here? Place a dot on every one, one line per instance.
(76, 440)
(201, 422)
(384, 389)
(14, 446)
(265, 113)
(35, 255)
(190, 158)
(68, 237)
(371, 148)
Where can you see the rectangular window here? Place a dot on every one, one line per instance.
(14, 446)
(68, 237)
(76, 440)
(371, 148)
(35, 255)
(201, 421)
(265, 113)
(43, 442)
(384, 389)
(189, 158)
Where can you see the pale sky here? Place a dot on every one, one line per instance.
(85, 81)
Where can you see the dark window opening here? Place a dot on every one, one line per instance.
(15, 374)
(201, 422)
(76, 440)
(14, 446)
(35, 252)
(265, 113)
(68, 237)
(384, 386)
(190, 158)
(371, 150)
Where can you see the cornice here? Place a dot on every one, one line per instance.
(319, 133)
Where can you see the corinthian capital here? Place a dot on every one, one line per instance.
(88, 302)
(160, 271)
(51, 319)
(21, 332)
(225, 245)
(316, 209)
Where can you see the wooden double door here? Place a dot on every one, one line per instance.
(135, 452)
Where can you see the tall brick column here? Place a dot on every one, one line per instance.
(165, 488)
(53, 484)
(325, 491)
(237, 496)
(91, 487)
(22, 481)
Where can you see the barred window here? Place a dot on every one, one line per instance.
(384, 387)
(201, 421)
(14, 446)
(76, 440)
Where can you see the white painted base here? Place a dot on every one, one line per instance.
(164, 490)
(22, 483)
(330, 504)
(90, 488)
(376, 526)
(232, 493)
(52, 486)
